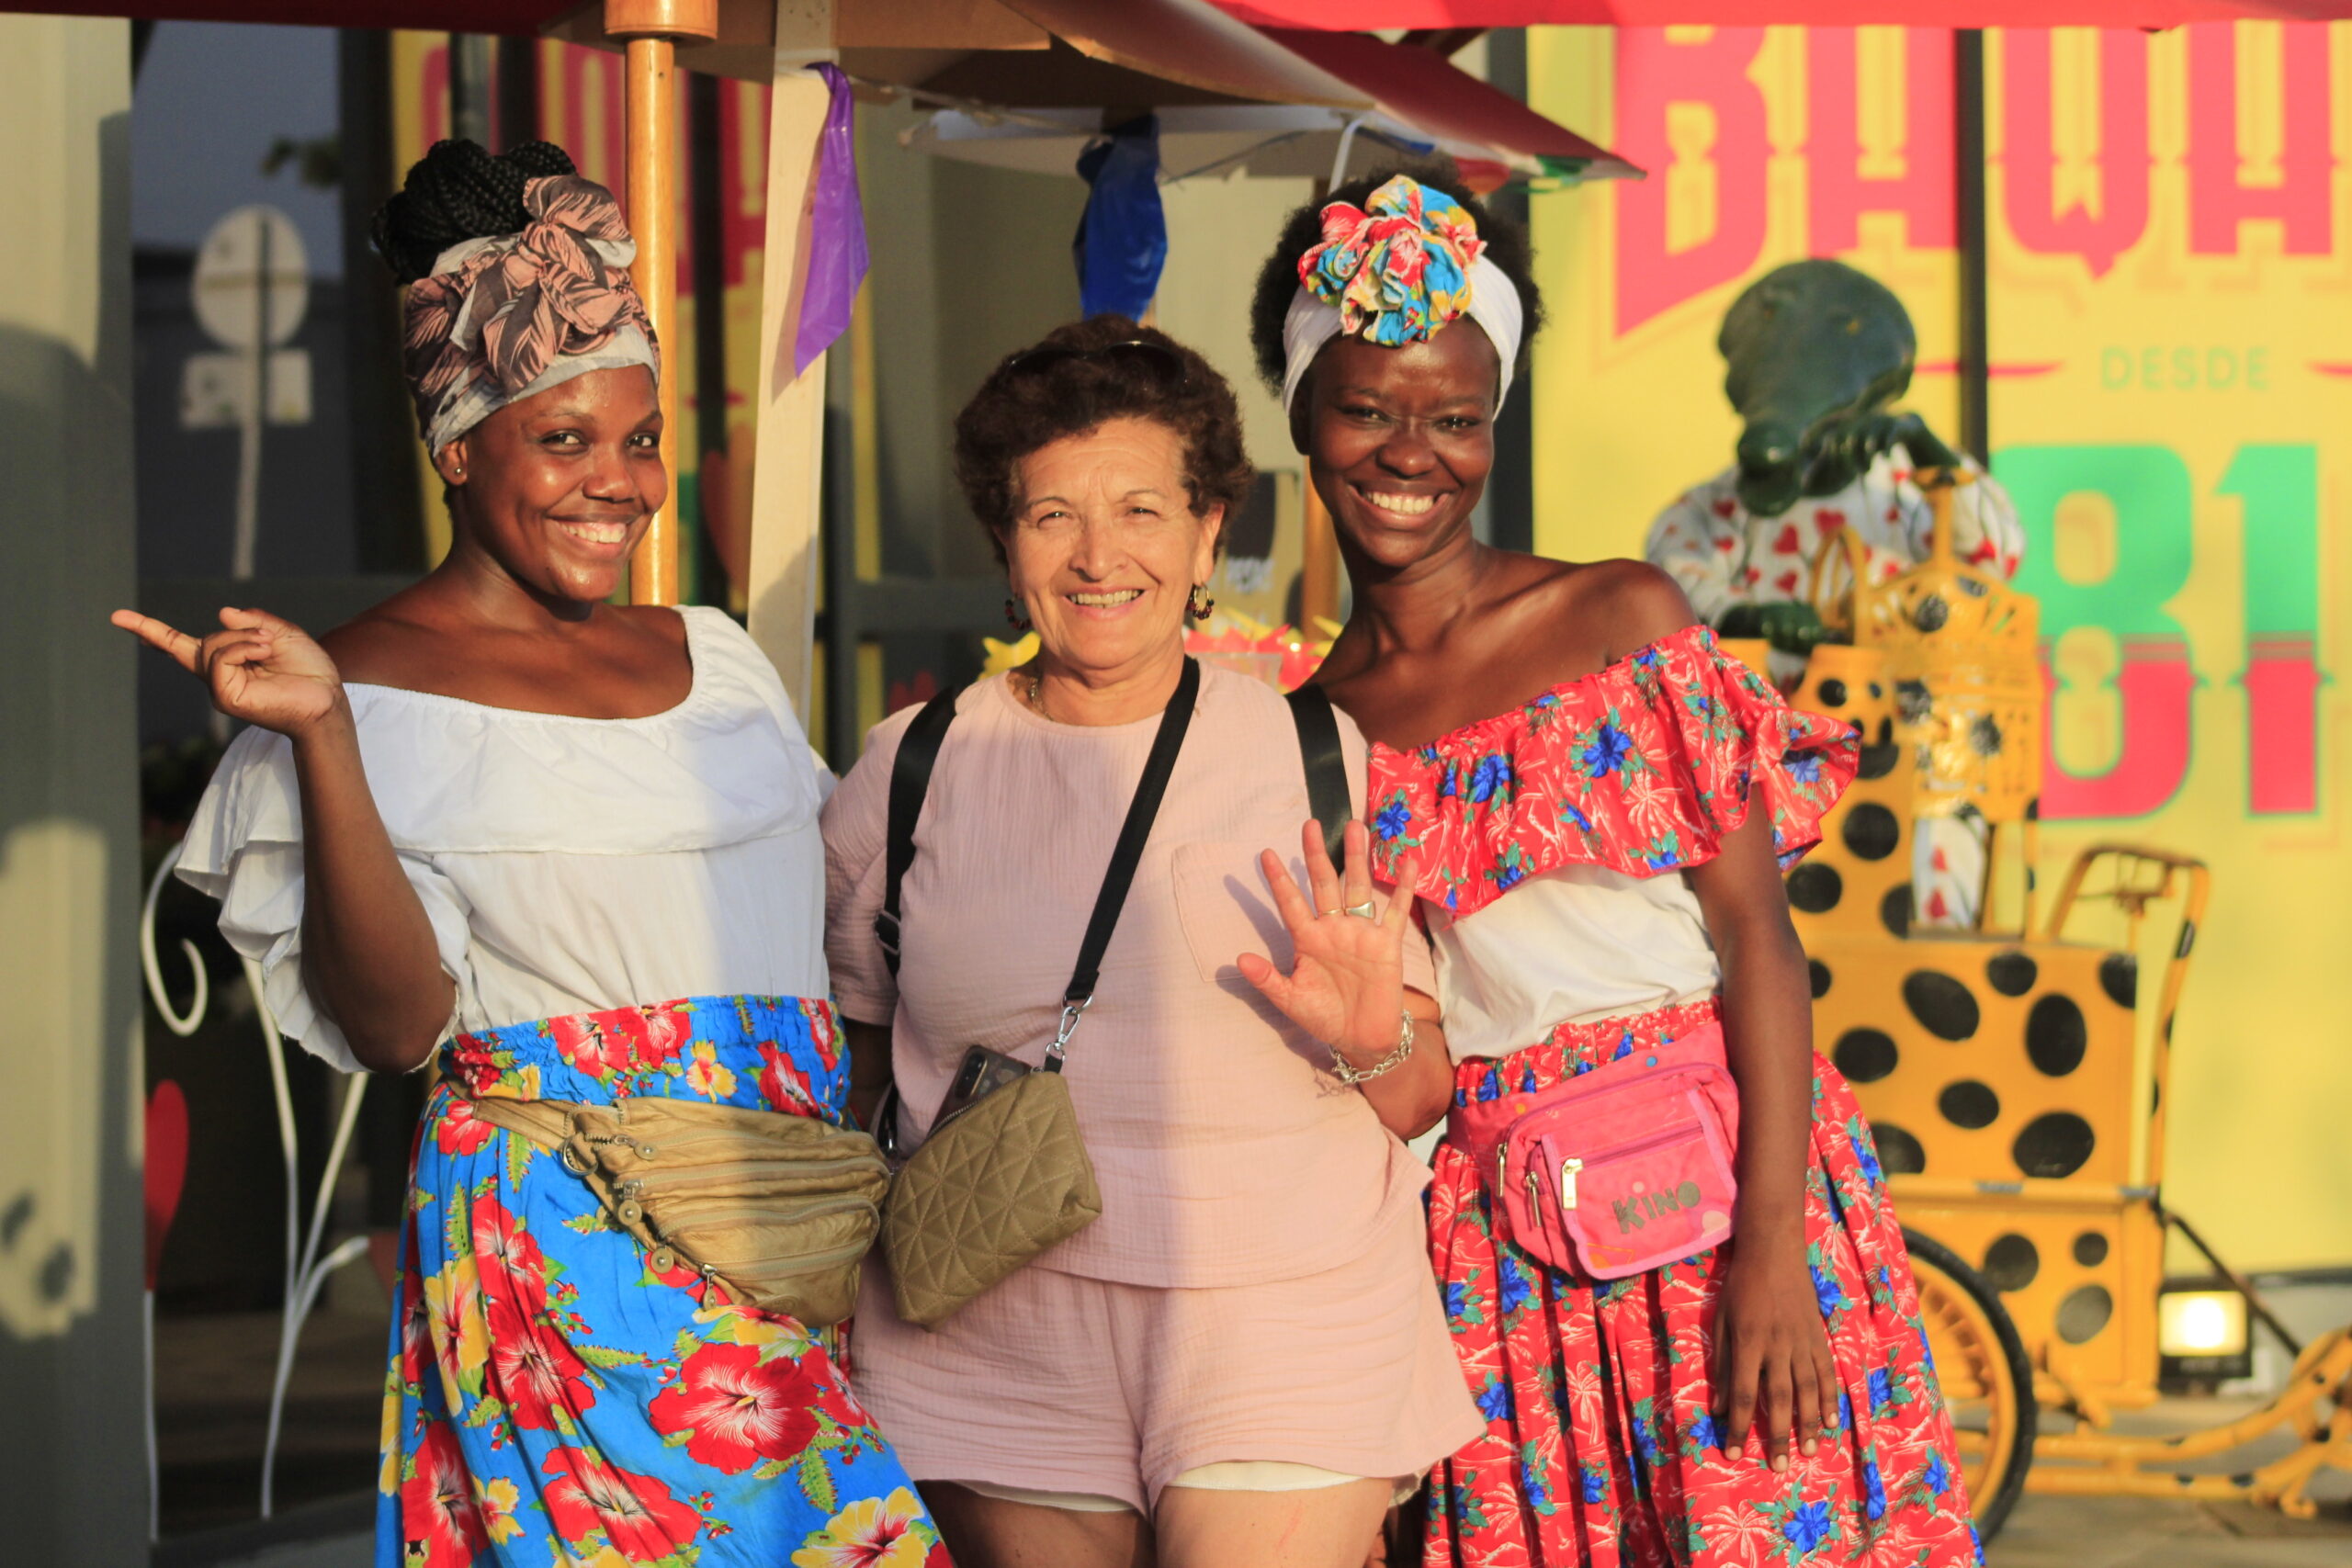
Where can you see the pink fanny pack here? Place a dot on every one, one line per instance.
(1624, 1168)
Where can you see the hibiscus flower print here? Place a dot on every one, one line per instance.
(507, 1258)
(736, 1410)
(438, 1519)
(1490, 781)
(1605, 751)
(458, 1131)
(1394, 819)
(875, 1532)
(460, 1336)
(495, 1502)
(708, 1076)
(544, 1384)
(634, 1514)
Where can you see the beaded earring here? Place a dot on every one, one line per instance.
(1197, 607)
(1015, 613)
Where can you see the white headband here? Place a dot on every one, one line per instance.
(1494, 305)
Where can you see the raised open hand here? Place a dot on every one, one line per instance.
(1347, 987)
(262, 670)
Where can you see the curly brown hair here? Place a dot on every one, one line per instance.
(1073, 379)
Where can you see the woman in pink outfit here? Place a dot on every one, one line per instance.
(1242, 1360)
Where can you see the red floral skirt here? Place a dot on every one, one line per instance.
(1600, 1448)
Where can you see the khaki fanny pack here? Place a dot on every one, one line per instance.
(780, 1210)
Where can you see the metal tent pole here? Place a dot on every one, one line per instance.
(651, 28)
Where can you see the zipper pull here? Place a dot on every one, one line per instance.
(1502, 1166)
(1534, 1192)
(1569, 1168)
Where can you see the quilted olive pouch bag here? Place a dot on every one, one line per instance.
(1003, 1174)
(780, 1210)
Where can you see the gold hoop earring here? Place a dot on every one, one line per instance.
(1198, 605)
(1015, 613)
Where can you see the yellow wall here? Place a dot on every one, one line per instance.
(2184, 506)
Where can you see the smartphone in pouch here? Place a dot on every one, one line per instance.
(981, 1074)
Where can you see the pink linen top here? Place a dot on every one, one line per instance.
(1226, 1152)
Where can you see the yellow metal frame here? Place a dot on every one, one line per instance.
(2103, 1464)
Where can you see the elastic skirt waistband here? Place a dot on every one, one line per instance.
(761, 1052)
(1572, 1050)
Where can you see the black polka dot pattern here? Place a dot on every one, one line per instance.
(2056, 1036)
(2084, 1313)
(1815, 887)
(1865, 1055)
(1899, 1153)
(2011, 1262)
(2012, 973)
(1820, 976)
(2090, 1248)
(1968, 1104)
(1832, 693)
(1871, 831)
(1895, 910)
(1877, 761)
(2053, 1145)
(2119, 977)
(1942, 1004)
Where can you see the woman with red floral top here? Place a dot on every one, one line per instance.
(1600, 802)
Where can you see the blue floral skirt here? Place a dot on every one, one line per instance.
(551, 1399)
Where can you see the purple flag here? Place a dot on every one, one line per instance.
(836, 230)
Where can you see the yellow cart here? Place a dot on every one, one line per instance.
(2015, 1072)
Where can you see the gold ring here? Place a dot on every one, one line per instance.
(1367, 909)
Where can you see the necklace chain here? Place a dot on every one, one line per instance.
(1038, 694)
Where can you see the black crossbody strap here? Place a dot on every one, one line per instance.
(1327, 768)
(1128, 852)
(909, 782)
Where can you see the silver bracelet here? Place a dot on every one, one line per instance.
(1349, 1074)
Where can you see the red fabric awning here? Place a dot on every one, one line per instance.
(515, 17)
(1423, 89)
(1357, 16)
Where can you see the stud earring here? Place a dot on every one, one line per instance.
(1016, 614)
(1199, 604)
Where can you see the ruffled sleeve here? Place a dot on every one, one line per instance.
(244, 847)
(1642, 769)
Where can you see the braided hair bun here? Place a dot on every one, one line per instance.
(458, 191)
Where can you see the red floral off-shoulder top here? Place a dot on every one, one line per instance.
(1642, 767)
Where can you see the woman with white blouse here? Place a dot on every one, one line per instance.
(571, 849)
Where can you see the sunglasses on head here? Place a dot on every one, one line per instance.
(1159, 358)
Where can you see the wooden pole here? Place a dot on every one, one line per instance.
(787, 473)
(651, 28)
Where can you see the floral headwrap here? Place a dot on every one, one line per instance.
(1394, 271)
(510, 315)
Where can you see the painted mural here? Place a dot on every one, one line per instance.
(2171, 410)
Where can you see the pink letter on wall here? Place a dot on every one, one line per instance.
(2029, 159)
(1651, 75)
(1838, 192)
(2218, 199)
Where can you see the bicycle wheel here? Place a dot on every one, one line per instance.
(1986, 1379)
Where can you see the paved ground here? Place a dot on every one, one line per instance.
(2133, 1532)
(212, 1440)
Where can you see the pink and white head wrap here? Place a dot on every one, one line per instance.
(506, 316)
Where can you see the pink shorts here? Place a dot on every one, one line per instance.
(1052, 1382)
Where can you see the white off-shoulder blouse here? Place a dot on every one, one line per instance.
(566, 864)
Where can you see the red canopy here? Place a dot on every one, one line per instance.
(517, 16)
(1428, 92)
(1358, 16)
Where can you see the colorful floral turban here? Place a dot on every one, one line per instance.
(510, 315)
(1394, 271)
